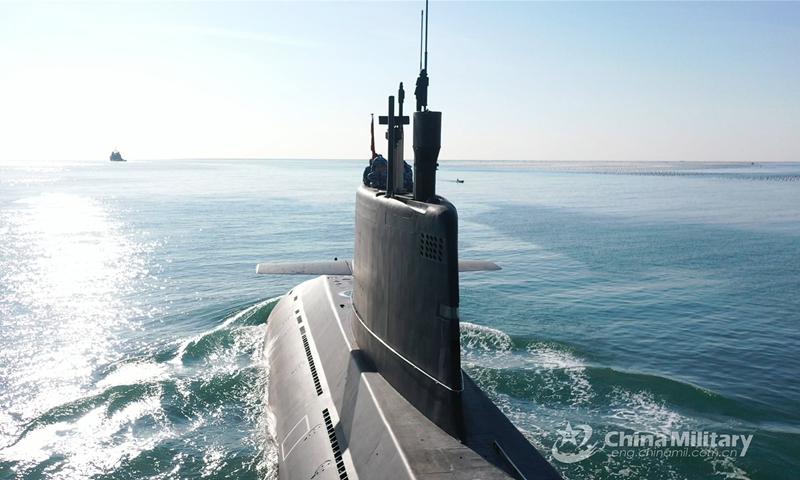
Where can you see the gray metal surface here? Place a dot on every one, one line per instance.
(405, 297)
(338, 267)
(476, 266)
(365, 377)
(377, 433)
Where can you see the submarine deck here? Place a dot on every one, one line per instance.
(344, 421)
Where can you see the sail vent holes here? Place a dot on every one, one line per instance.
(337, 453)
(431, 247)
(311, 365)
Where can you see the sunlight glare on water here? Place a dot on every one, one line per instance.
(132, 321)
(63, 295)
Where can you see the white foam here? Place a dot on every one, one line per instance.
(479, 337)
(641, 411)
(726, 466)
(178, 360)
(549, 361)
(135, 373)
(94, 443)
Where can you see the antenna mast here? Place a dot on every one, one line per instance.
(427, 132)
(426, 35)
(421, 42)
(421, 92)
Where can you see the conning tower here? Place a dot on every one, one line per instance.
(405, 281)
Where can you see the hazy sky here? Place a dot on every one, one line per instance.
(715, 81)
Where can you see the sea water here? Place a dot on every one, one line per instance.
(635, 300)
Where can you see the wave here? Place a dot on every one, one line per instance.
(197, 408)
(200, 346)
(194, 409)
(542, 385)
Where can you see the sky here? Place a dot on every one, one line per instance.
(622, 81)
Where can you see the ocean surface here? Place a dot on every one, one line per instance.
(635, 298)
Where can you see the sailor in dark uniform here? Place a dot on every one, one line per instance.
(421, 92)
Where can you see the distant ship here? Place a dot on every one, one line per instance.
(116, 157)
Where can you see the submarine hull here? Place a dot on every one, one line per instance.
(336, 417)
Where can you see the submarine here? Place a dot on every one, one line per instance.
(365, 378)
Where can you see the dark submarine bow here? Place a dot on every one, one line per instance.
(365, 360)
